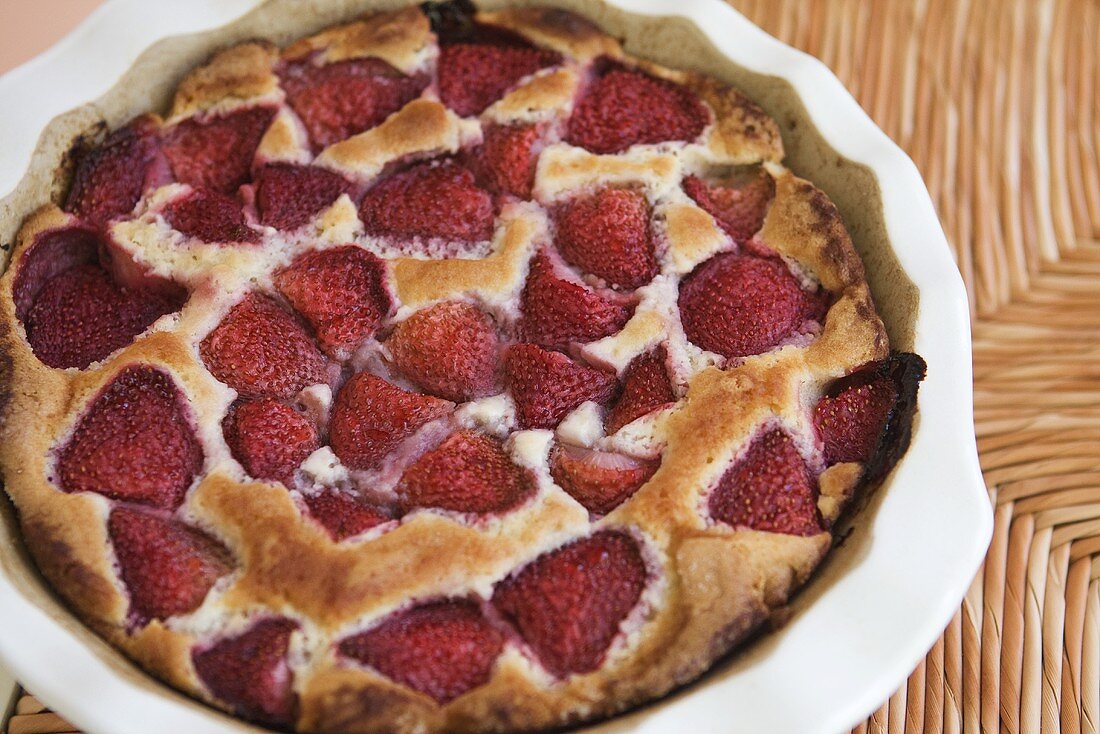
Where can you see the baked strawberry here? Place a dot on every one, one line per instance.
(738, 306)
(769, 488)
(134, 443)
(370, 417)
(250, 672)
(341, 99)
(474, 75)
(216, 151)
(468, 472)
(260, 350)
(599, 480)
(646, 388)
(52, 253)
(441, 649)
(606, 234)
(437, 199)
(168, 567)
(505, 161)
(450, 349)
(342, 514)
(289, 195)
(342, 293)
(568, 604)
(110, 179)
(269, 438)
(209, 216)
(557, 312)
(740, 210)
(850, 422)
(547, 386)
(625, 107)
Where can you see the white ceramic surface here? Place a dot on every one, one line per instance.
(855, 638)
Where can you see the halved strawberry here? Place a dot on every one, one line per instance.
(441, 649)
(433, 199)
(450, 349)
(547, 386)
(738, 209)
(769, 488)
(209, 216)
(342, 514)
(646, 388)
(626, 107)
(260, 350)
(850, 422)
(341, 99)
(474, 75)
(739, 305)
(134, 443)
(288, 195)
(370, 417)
(250, 672)
(606, 233)
(557, 312)
(468, 472)
(52, 253)
(167, 566)
(568, 604)
(505, 161)
(216, 151)
(342, 293)
(110, 178)
(599, 480)
(269, 438)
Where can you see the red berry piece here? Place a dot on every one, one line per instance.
(342, 293)
(851, 422)
(769, 488)
(474, 75)
(371, 417)
(52, 253)
(468, 472)
(740, 210)
(429, 200)
(341, 99)
(269, 438)
(450, 349)
(135, 442)
(210, 216)
(441, 649)
(547, 386)
(250, 672)
(568, 604)
(505, 161)
(599, 480)
(626, 107)
(738, 306)
(110, 179)
(260, 350)
(646, 388)
(289, 195)
(607, 235)
(167, 566)
(342, 514)
(557, 312)
(216, 151)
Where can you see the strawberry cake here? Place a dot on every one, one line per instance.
(445, 370)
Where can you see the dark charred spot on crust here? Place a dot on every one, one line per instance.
(68, 576)
(453, 22)
(83, 144)
(350, 706)
(828, 223)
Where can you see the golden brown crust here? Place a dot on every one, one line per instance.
(240, 74)
(567, 33)
(400, 38)
(743, 133)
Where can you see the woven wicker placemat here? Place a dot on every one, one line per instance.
(998, 102)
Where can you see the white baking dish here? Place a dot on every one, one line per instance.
(881, 598)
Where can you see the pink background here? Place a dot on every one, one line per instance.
(29, 27)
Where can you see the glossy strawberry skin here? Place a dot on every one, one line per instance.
(269, 438)
(769, 488)
(168, 567)
(342, 515)
(210, 216)
(441, 649)
(568, 604)
(370, 417)
(505, 161)
(450, 350)
(739, 210)
(342, 293)
(110, 179)
(546, 386)
(260, 350)
(134, 443)
(646, 388)
(851, 418)
(474, 75)
(216, 152)
(289, 195)
(606, 234)
(599, 481)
